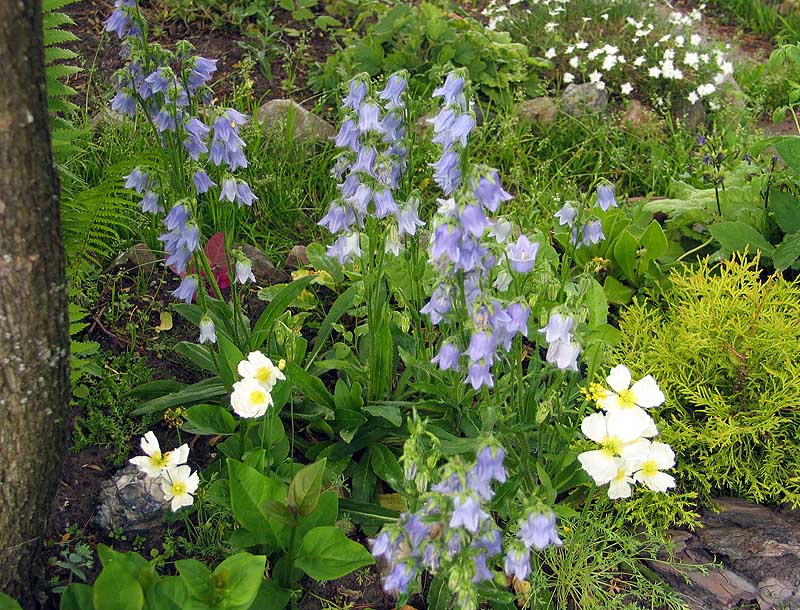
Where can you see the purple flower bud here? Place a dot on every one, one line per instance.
(355, 97)
(491, 541)
(452, 90)
(365, 162)
(384, 203)
(150, 203)
(482, 346)
(518, 564)
(446, 173)
(563, 355)
(566, 215)
(369, 118)
(438, 305)
(202, 69)
(228, 190)
(137, 180)
(408, 220)
(482, 572)
(244, 194)
(177, 217)
(478, 375)
(399, 578)
(446, 239)
(592, 233)
(474, 220)
(348, 136)
(393, 92)
(490, 464)
(124, 103)
(489, 191)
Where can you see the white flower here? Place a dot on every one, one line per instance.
(609, 62)
(260, 369)
(620, 485)
(613, 438)
(706, 90)
(550, 26)
(550, 53)
(604, 16)
(500, 230)
(244, 270)
(155, 462)
(644, 394)
(695, 40)
(574, 61)
(581, 44)
(654, 72)
(250, 399)
(639, 61)
(595, 77)
(502, 281)
(692, 59)
(207, 331)
(679, 41)
(594, 53)
(569, 77)
(693, 97)
(648, 465)
(179, 485)
(626, 88)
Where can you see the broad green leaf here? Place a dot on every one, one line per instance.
(736, 236)
(9, 603)
(367, 513)
(243, 574)
(76, 596)
(625, 249)
(117, 589)
(389, 412)
(385, 465)
(653, 241)
(785, 209)
(439, 596)
(209, 420)
(787, 252)
(196, 577)
(789, 150)
(598, 305)
(200, 391)
(271, 596)
(616, 291)
(305, 488)
(326, 553)
(312, 387)
(249, 490)
(169, 593)
(199, 355)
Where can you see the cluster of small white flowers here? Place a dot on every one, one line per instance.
(670, 54)
(623, 429)
(252, 395)
(177, 480)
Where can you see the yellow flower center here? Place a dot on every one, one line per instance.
(650, 468)
(620, 475)
(264, 374)
(159, 460)
(627, 399)
(178, 489)
(611, 446)
(233, 124)
(258, 397)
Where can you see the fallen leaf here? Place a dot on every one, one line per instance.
(166, 321)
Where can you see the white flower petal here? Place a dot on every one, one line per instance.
(636, 453)
(646, 393)
(659, 482)
(619, 378)
(178, 456)
(150, 444)
(609, 401)
(145, 465)
(594, 427)
(663, 455)
(628, 424)
(598, 465)
(620, 489)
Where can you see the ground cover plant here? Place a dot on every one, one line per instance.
(509, 355)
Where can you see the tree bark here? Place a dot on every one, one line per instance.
(34, 336)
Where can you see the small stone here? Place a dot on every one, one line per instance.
(583, 99)
(306, 126)
(540, 110)
(297, 258)
(140, 256)
(265, 272)
(131, 501)
(636, 116)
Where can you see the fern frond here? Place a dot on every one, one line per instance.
(48, 6)
(52, 54)
(56, 20)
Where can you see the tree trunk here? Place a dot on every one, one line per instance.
(34, 337)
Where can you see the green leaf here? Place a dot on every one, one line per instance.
(117, 589)
(439, 596)
(209, 420)
(229, 358)
(8, 603)
(275, 309)
(242, 574)
(271, 596)
(366, 513)
(202, 390)
(616, 291)
(787, 252)
(735, 236)
(337, 310)
(305, 488)
(196, 577)
(249, 491)
(199, 355)
(654, 242)
(326, 21)
(385, 465)
(312, 387)
(598, 305)
(76, 596)
(326, 553)
(169, 593)
(785, 209)
(625, 254)
(389, 412)
(319, 260)
(789, 150)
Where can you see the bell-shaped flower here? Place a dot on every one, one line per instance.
(208, 332)
(522, 254)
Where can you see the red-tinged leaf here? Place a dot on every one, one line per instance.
(215, 252)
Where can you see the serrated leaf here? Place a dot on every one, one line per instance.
(736, 236)
(787, 252)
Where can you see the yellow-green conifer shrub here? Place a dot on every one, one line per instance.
(725, 350)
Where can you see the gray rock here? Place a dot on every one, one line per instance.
(540, 110)
(141, 257)
(264, 270)
(130, 501)
(691, 115)
(297, 258)
(277, 115)
(731, 92)
(583, 99)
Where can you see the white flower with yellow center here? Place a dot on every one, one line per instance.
(153, 463)
(179, 485)
(259, 367)
(644, 394)
(620, 485)
(617, 438)
(649, 464)
(250, 398)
